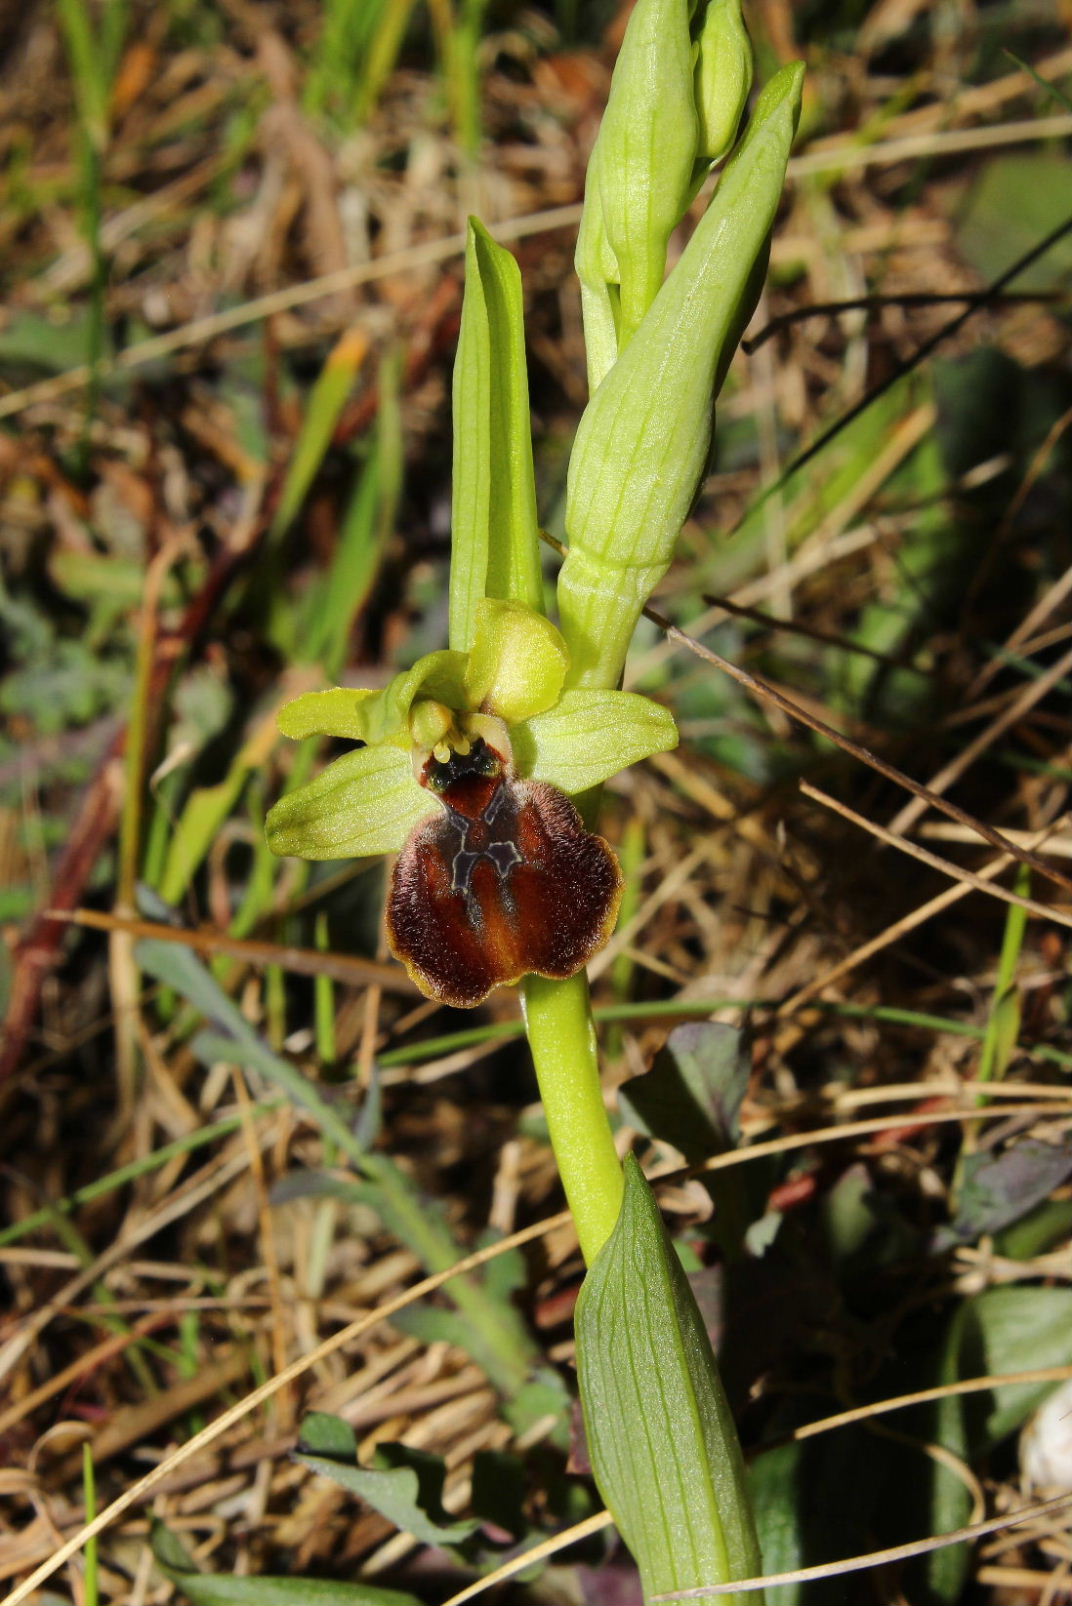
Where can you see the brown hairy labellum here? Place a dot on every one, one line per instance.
(504, 882)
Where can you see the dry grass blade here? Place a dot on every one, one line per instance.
(852, 1129)
(966, 877)
(542, 1552)
(876, 1558)
(142, 1487)
(925, 911)
(768, 693)
(914, 147)
(1031, 694)
(893, 933)
(1054, 596)
(944, 1391)
(302, 961)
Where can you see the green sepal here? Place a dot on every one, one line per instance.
(589, 736)
(339, 711)
(495, 541)
(723, 77)
(660, 1435)
(364, 803)
(648, 426)
(647, 150)
(518, 663)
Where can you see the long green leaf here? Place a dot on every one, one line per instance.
(322, 408)
(661, 1438)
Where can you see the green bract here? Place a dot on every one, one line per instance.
(508, 689)
(643, 443)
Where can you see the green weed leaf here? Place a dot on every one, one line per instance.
(998, 1189)
(692, 1095)
(1001, 1330)
(406, 1488)
(662, 1442)
(224, 1589)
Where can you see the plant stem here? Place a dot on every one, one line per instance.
(558, 1018)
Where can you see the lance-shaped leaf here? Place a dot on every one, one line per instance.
(495, 531)
(590, 735)
(643, 441)
(662, 1441)
(646, 150)
(364, 803)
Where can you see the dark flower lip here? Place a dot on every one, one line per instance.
(504, 882)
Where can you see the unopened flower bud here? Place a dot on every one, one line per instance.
(723, 77)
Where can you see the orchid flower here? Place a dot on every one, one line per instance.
(466, 769)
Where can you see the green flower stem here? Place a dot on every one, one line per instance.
(558, 1018)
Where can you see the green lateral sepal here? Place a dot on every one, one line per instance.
(590, 735)
(366, 802)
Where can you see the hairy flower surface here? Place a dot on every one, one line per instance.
(463, 771)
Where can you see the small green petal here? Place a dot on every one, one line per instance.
(337, 712)
(366, 802)
(589, 736)
(438, 674)
(518, 663)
